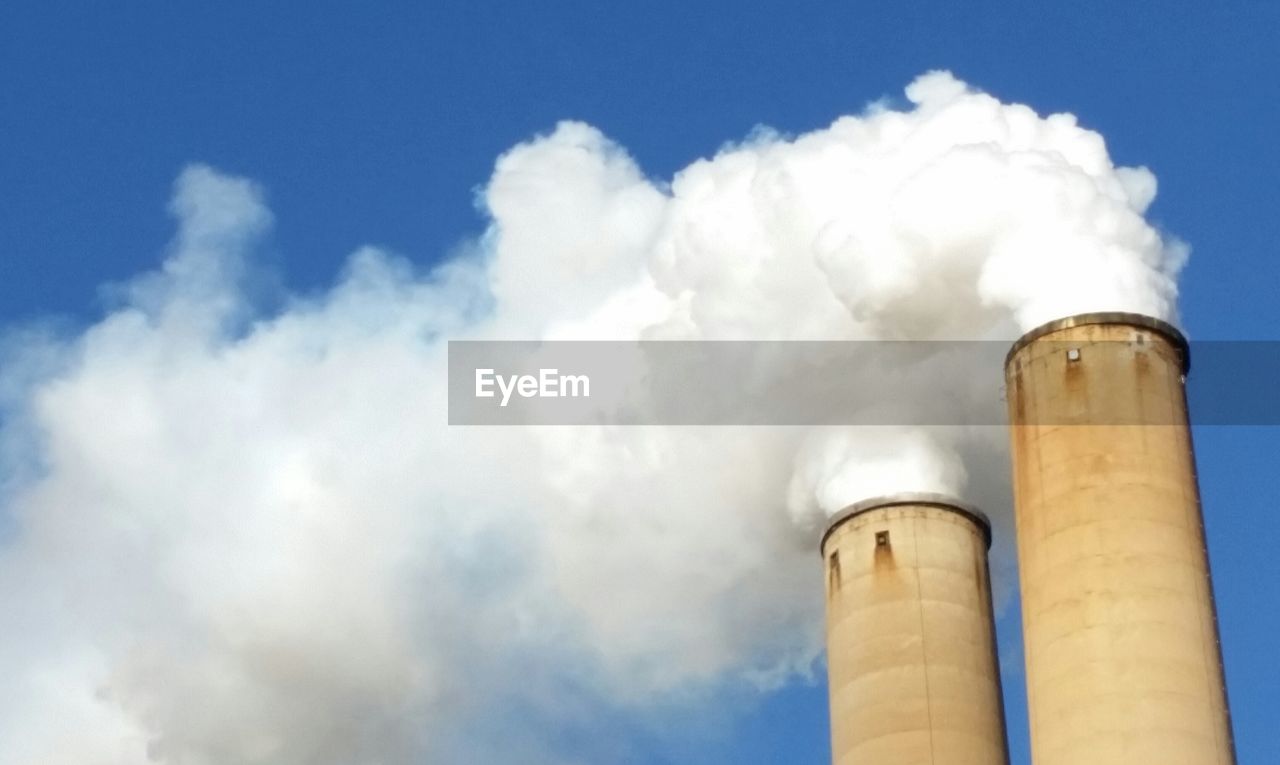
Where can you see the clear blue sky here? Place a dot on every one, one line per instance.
(377, 122)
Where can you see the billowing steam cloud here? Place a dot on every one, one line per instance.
(232, 537)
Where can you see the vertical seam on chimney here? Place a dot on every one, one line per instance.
(924, 643)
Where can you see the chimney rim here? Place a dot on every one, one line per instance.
(1143, 321)
(908, 498)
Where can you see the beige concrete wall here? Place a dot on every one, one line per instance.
(1123, 664)
(910, 640)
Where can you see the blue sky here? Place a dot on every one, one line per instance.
(377, 124)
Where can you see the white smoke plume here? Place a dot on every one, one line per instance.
(233, 536)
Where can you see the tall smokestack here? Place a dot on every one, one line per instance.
(911, 650)
(1122, 655)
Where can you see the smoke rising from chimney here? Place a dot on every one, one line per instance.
(242, 537)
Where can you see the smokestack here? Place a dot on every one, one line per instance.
(911, 650)
(1122, 655)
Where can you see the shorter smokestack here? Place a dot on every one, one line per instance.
(911, 650)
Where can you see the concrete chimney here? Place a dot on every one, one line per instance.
(911, 650)
(1121, 641)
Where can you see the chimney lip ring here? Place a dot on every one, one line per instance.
(1159, 326)
(907, 498)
